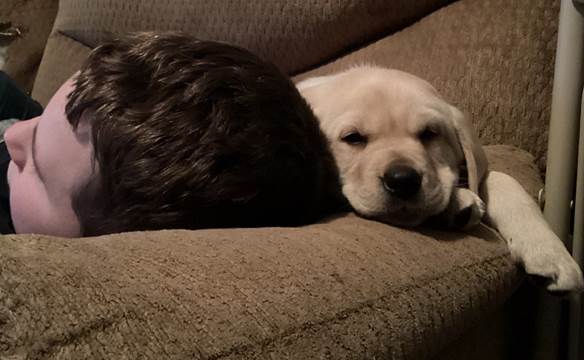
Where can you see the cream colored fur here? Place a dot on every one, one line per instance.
(394, 112)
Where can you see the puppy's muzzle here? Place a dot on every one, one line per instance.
(402, 181)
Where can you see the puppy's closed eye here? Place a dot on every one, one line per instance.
(354, 138)
(428, 133)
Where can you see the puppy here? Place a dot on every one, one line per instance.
(405, 157)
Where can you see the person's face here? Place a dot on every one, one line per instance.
(50, 162)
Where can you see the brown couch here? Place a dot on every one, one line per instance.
(345, 288)
(35, 19)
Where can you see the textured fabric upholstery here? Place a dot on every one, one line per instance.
(293, 34)
(347, 288)
(334, 290)
(35, 19)
(62, 58)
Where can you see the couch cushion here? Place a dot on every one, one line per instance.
(344, 288)
(62, 58)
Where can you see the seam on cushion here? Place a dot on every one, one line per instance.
(372, 38)
(344, 315)
(70, 37)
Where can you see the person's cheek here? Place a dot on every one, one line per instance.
(33, 213)
(28, 205)
(23, 205)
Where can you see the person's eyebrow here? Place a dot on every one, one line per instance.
(34, 162)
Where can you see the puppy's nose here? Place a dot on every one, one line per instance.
(402, 181)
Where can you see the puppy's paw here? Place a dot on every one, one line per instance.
(554, 269)
(466, 209)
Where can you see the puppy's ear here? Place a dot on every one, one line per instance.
(474, 155)
(317, 92)
(313, 81)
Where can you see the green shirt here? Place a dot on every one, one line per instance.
(5, 124)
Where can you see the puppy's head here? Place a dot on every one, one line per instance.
(398, 145)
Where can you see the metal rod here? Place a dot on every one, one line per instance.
(561, 159)
(565, 114)
(575, 331)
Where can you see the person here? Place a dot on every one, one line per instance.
(161, 130)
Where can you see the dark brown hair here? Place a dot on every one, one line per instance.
(194, 134)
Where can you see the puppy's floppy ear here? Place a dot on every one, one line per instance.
(317, 92)
(474, 155)
(313, 81)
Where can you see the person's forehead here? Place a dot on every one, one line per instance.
(55, 113)
(60, 98)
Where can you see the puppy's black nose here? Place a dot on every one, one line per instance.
(402, 181)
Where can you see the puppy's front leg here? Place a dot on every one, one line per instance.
(465, 210)
(530, 239)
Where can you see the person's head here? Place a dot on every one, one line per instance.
(160, 130)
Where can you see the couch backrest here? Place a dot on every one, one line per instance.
(494, 59)
(295, 35)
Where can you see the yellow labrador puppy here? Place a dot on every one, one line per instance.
(403, 153)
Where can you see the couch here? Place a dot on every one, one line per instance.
(35, 19)
(343, 288)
